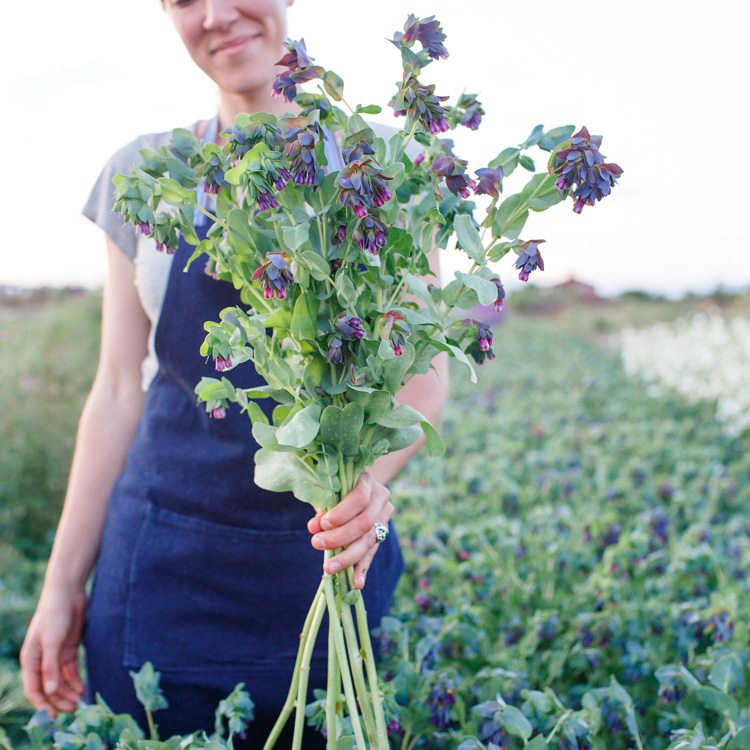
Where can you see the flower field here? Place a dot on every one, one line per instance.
(576, 563)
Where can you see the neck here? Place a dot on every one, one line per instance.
(230, 105)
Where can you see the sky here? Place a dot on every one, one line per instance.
(660, 81)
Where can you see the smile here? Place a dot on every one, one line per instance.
(234, 46)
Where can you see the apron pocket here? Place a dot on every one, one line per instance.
(204, 596)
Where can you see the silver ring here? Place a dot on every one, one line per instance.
(381, 531)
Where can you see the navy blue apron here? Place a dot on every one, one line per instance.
(201, 572)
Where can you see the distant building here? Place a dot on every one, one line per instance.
(578, 289)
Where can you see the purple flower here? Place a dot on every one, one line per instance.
(421, 104)
(281, 178)
(418, 159)
(163, 247)
(581, 168)
(428, 33)
(453, 170)
(480, 348)
(222, 363)
(335, 353)
(362, 184)
(340, 234)
(393, 727)
(530, 258)
(213, 180)
(296, 57)
(720, 627)
(370, 233)
(470, 111)
(356, 148)
(275, 275)
(612, 535)
(301, 140)
(350, 327)
(395, 329)
(266, 201)
(441, 698)
(489, 181)
(498, 304)
(144, 228)
(218, 413)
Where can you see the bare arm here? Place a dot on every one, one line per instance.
(105, 431)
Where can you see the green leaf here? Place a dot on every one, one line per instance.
(714, 700)
(507, 159)
(727, 671)
(304, 325)
(527, 163)
(555, 137)
(740, 741)
(507, 212)
(317, 266)
(301, 429)
(333, 85)
(433, 440)
(514, 229)
(296, 236)
(458, 354)
(147, 690)
(385, 350)
(279, 318)
(345, 291)
(256, 414)
(515, 723)
(375, 403)
(468, 236)
(395, 369)
(403, 438)
(485, 289)
(172, 192)
(368, 109)
(538, 743)
(340, 428)
(402, 416)
(314, 374)
(533, 139)
(287, 472)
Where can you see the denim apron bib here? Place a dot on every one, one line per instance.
(201, 572)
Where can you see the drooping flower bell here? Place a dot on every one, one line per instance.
(453, 170)
(301, 140)
(497, 306)
(222, 363)
(275, 275)
(362, 184)
(213, 180)
(218, 413)
(339, 235)
(489, 181)
(350, 326)
(335, 353)
(441, 698)
(395, 330)
(480, 348)
(427, 32)
(299, 68)
(470, 111)
(370, 234)
(530, 258)
(420, 103)
(581, 168)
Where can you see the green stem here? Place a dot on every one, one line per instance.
(334, 624)
(408, 140)
(152, 730)
(291, 695)
(332, 692)
(355, 658)
(303, 674)
(211, 216)
(396, 292)
(381, 732)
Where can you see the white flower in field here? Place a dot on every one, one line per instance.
(705, 357)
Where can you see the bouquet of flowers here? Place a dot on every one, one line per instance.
(337, 313)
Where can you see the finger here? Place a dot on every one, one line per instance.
(351, 555)
(355, 502)
(358, 526)
(313, 525)
(52, 682)
(31, 676)
(72, 677)
(361, 568)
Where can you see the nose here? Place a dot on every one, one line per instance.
(220, 14)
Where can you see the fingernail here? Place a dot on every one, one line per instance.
(325, 523)
(50, 686)
(361, 580)
(317, 541)
(334, 567)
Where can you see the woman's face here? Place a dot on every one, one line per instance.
(235, 42)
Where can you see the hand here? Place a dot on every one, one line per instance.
(48, 656)
(350, 524)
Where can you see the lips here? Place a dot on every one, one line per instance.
(235, 44)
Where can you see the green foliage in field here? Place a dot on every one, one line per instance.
(576, 563)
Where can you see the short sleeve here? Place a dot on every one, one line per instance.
(98, 207)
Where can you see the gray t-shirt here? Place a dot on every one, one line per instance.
(152, 267)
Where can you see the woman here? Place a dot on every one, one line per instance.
(199, 571)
